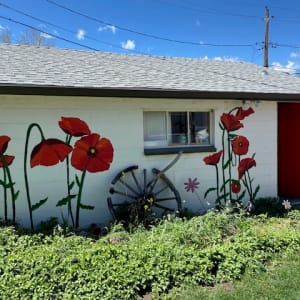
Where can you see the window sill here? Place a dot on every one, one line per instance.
(183, 149)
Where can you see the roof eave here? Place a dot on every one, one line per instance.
(143, 93)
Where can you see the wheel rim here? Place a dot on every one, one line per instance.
(139, 193)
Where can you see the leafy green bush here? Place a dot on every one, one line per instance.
(203, 250)
(270, 206)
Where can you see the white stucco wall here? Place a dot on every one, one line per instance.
(120, 120)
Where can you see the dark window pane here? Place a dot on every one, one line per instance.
(199, 127)
(179, 127)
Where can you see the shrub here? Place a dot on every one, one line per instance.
(203, 250)
(270, 206)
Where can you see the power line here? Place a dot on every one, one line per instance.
(145, 34)
(65, 29)
(209, 10)
(286, 45)
(48, 33)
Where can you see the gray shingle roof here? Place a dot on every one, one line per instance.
(54, 67)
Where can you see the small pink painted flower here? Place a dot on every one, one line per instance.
(191, 185)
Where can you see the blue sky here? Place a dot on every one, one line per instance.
(215, 29)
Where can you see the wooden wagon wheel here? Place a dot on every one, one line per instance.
(137, 195)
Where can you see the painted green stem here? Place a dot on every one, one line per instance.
(79, 198)
(229, 165)
(223, 164)
(11, 187)
(70, 211)
(5, 194)
(250, 187)
(218, 183)
(31, 126)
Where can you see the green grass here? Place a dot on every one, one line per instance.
(280, 281)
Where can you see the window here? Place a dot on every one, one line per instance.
(177, 130)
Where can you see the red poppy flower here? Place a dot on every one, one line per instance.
(240, 145)
(74, 126)
(245, 165)
(192, 185)
(241, 114)
(231, 122)
(49, 152)
(213, 159)
(92, 153)
(4, 139)
(235, 186)
(8, 159)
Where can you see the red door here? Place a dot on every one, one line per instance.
(289, 149)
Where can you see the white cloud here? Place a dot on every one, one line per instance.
(112, 28)
(294, 55)
(1, 27)
(224, 58)
(290, 67)
(128, 45)
(80, 34)
(46, 35)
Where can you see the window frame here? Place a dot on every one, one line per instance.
(188, 148)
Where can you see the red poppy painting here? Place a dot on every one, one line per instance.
(213, 159)
(241, 114)
(8, 159)
(235, 186)
(231, 122)
(49, 152)
(74, 126)
(4, 139)
(244, 165)
(92, 153)
(240, 145)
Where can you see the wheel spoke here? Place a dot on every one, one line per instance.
(128, 186)
(161, 190)
(151, 184)
(124, 194)
(121, 204)
(136, 181)
(164, 199)
(163, 207)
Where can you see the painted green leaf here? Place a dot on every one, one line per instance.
(224, 184)
(226, 164)
(77, 180)
(222, 197)
(241, 196)
(90, 207)
(221, 126)
(65, 200)
(5, 185)
(255, 192)
(16, 195)
(209, 190)
(233, 135)
(71, 185)
(38, 204)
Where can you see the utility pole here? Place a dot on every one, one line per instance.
(266, 43)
